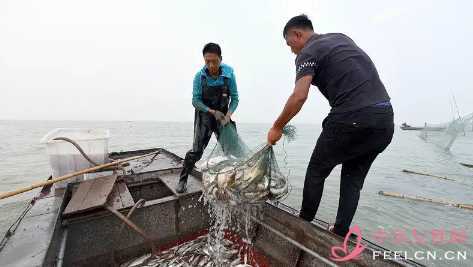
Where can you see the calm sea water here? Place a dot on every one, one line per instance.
(23, 160)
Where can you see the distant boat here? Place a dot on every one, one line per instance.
(466, 165)
(408, 127)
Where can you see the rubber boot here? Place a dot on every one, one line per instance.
(181, 186)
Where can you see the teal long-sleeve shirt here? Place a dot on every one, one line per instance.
(227, 72)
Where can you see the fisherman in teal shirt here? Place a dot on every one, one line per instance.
(215, 98)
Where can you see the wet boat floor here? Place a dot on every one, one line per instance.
(196, 251)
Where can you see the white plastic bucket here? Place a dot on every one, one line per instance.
(64, 158)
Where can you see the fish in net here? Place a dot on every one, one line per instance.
(235, 174)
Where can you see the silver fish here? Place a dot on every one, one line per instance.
(235, 262)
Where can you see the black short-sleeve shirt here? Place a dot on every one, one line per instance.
(343, 72)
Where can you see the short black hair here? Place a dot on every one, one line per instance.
(212, 48)
(300, 22)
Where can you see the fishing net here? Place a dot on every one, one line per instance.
(235, 174)
(232, 174)
(445, 134)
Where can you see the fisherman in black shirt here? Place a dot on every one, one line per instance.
(360, 123)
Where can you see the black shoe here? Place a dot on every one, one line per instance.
(181, 187)
(341, 234)
(332, 229)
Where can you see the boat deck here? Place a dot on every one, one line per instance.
(96, 237)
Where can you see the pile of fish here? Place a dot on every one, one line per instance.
(252, 180)
(196, 252)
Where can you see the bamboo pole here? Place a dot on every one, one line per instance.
(419, 198)
(67, 176)
(427, 174)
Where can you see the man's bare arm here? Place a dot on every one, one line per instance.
(292, 107)
(295, 102)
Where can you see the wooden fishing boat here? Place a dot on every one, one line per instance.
(77, 226)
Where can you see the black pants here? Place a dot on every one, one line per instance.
(354, 140)
(204, 125)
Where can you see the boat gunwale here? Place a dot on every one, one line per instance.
(60, 223)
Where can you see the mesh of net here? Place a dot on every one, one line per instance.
(445, 134)
(234, 173)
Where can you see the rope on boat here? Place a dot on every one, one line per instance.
(427, 174)
(424, 199)
(12, 229)
(138, 204)
(81, 151)
(78, 148)
(295, 243)
(133, 226)
(147, 164)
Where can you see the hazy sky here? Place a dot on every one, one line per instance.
(135, 60)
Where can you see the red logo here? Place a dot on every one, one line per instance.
(342, 253)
